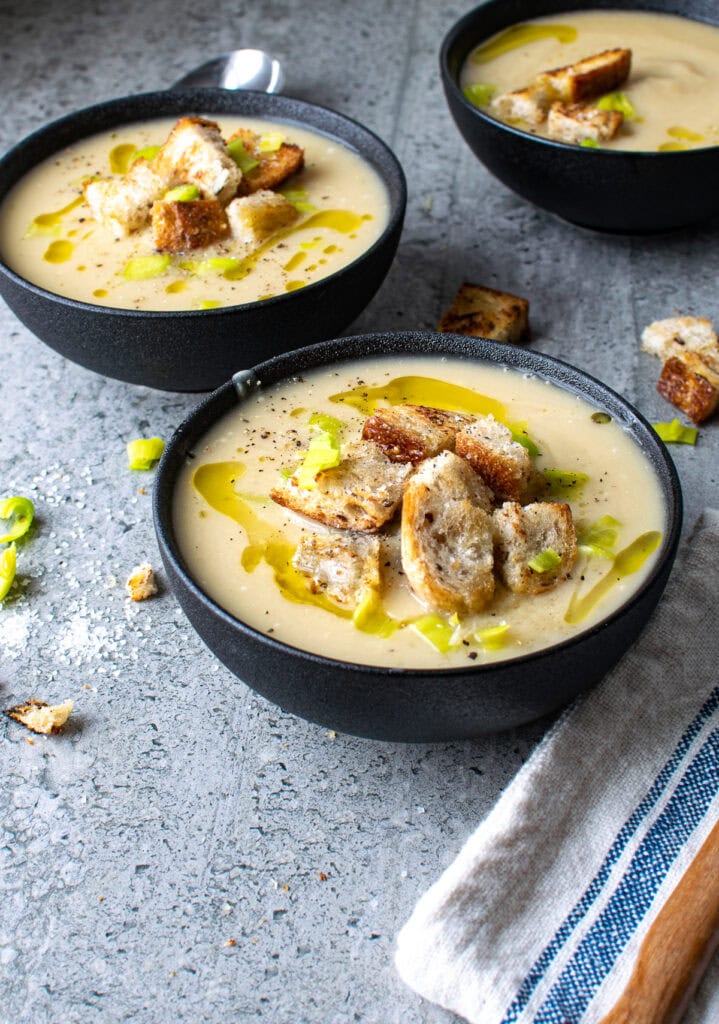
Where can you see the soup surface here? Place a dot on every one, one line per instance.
(48, 236)
(673, 85)
(238, 544)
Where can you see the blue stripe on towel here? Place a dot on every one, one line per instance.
(596, 954)
(615, 851)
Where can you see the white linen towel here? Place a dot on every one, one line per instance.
(540, 917)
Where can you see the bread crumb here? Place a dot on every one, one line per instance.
(40, 717)
(231, 942)
(141, 582)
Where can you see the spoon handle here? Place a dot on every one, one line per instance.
(677, 948)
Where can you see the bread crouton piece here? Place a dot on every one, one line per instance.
(587, 78)
(255, 217)
(503, 463)
(141, 582)
(487, 313)
(195, 152)
(679, 334)
(179, 226)
(527, 105)
(689, 348)
(447, 545)
(40, 717)
(343, 566)
(410, 433)
(272, 167)
(522, 532)
(362, 493)
(124, 204)
(575, 123)
(684, 382)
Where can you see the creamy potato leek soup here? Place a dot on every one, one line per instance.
(669, 100)
(348, 594)
(49, 234)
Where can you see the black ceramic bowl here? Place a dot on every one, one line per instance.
(409, 704)
(199, 349)
(608, 190)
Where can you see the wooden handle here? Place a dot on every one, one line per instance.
(677, 947)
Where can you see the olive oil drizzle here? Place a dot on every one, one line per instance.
(520, 35)
(438, 394)
(215, 482)
(626, 562)
(50, 223)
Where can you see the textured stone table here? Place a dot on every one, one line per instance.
(184, 851)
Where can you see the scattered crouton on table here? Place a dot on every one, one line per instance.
(689, 349)
(487, 313)
(40, 717)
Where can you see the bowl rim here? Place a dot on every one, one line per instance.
(464, 25)
(396, 210)
(556, 371)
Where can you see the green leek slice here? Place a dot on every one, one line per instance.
(436, 631)
(8, 566)
(144, 452)
(479, 93)
(148, 152)
(590, 144)
(182, 194)
(493, 638)
(600, 537)
(242, 158)
(676, 433)
(21, 512)
(323, 453)
(270, 142)
(370, 617)
(520, 435)
(144, 267)
(545, 561)
(618, 101)
(564, 482)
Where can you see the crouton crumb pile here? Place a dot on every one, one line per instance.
(469, 500)
(194, 192)
(689, 350)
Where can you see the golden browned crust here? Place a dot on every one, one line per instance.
(587, 78)
(193, 224)
(505, 465)
(41, 717)
(682, 383)
(410, 433)
(572, 122)
(273, 168)
(487, 313)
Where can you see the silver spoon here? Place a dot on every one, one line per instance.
(239, 69)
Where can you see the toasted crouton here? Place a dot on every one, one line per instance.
(588, 78)
(272, 168)
(447, 552)
(528, 105)
(362, 493)
(410, 433)
(487, 313)
(40, 717)
(195, 152)
(573, 122)
(342, 566)
(141, 582)
(124, 204)
(255, 217)
(679, 334)
(684, 382)
(189, 224)
(689, 349)
(521, 532)
(503, 463)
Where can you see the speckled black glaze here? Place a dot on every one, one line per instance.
(414, 705)
(608, 190)
(196, 350)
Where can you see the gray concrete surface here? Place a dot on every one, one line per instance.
(185, 851)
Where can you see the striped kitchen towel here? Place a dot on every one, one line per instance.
(542, 915)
